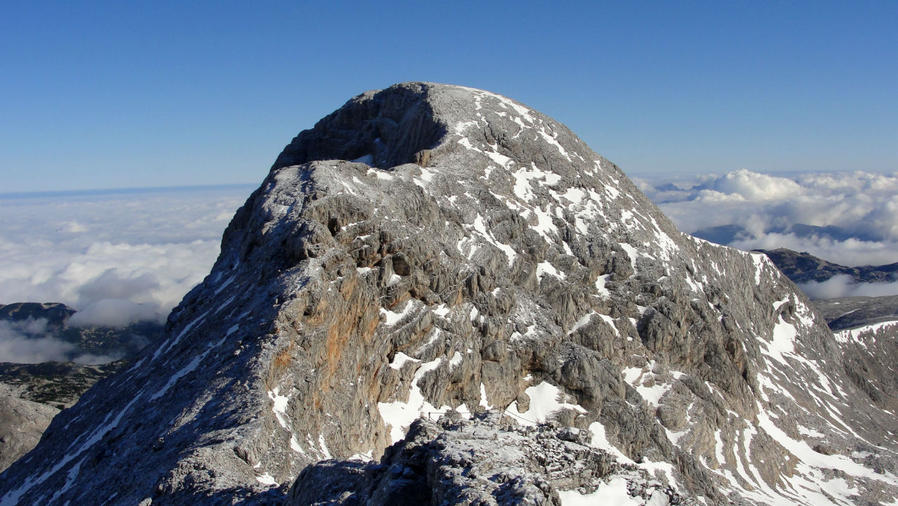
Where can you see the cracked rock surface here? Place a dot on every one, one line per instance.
(484, 460)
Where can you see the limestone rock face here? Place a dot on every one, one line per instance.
(869, 354)
(21, 424)
(429, 249)
(487, 460)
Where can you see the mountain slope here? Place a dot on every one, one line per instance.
(867, 331)
(431, 248)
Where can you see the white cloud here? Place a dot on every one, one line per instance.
(843, 286)
(20, 350)
(851, 252)
(849, 218)
(117, 257)
(751, 186)
(120, 257)
(25, 342)
(114, 313)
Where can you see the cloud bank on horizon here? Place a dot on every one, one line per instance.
(122, 257)
(116, 257)
(849, 218)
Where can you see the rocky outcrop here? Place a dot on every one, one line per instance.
(21, 424)
(866, 329)
(489, 459)
(431, 248)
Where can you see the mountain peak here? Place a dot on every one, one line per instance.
(432, 250)
(405, 122)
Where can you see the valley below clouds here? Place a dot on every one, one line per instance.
(118, 257)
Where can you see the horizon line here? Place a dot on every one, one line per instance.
(129, 189)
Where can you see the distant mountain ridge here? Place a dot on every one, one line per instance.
(803, 267)
(55, 313)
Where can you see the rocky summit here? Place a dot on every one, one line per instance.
(441, 253)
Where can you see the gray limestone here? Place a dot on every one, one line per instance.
(21, 424)
(488, 460)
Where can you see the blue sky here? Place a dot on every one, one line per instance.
(134, 94)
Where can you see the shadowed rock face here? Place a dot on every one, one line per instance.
(390, 128)
(867, 331)
(484, 260)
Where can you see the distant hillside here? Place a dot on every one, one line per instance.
(31, 394)
(804, 267)
(35, 320)
(853, 312)
(56, 384)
